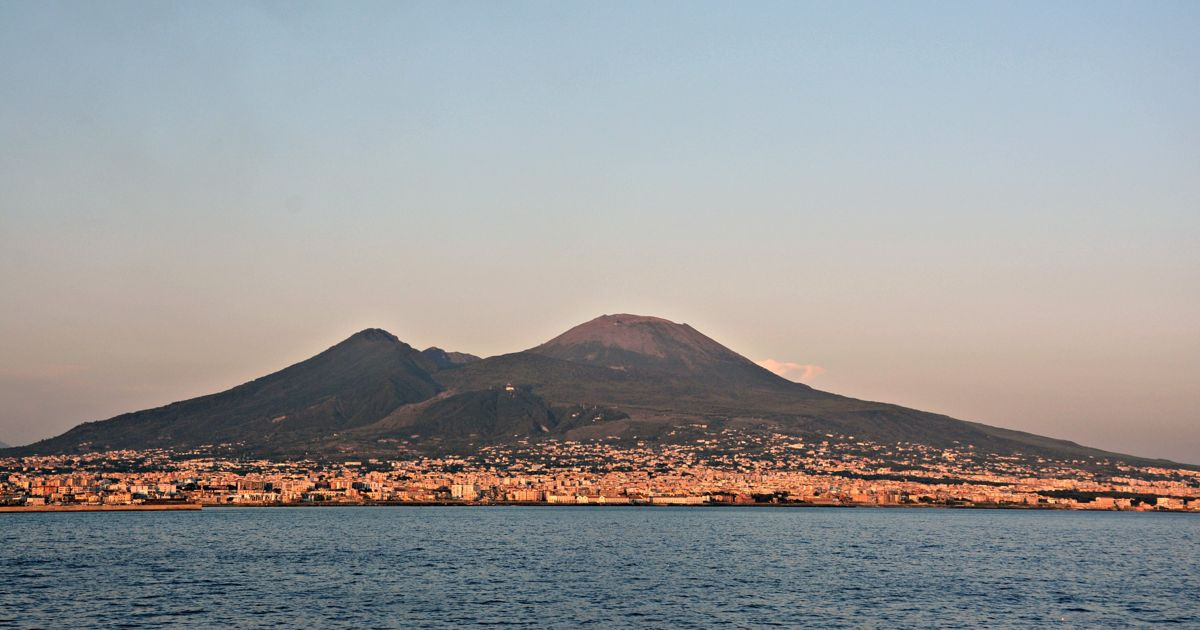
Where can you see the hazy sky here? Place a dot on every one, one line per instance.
(985, 210)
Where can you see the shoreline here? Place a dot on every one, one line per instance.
(18, 509)
(1046, 508)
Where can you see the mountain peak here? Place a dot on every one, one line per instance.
(628, 318)
(642, 334)
(626, 341)
(374, 334)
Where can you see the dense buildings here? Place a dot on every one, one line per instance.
(734, 468)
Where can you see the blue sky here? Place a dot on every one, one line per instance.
(986, 210)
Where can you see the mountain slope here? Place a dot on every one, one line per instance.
(354, 383)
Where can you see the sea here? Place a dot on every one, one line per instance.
(599, 567)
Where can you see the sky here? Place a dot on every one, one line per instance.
(987, 210)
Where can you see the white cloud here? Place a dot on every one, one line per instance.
(792, 371)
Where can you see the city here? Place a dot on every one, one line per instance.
(738, 468)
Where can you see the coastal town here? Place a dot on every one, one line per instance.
(735, 469)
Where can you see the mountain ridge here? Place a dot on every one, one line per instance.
(444, 359)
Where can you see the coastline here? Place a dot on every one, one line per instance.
(99, 508)
(1040, 508)
(17, 509)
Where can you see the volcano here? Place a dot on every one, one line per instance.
(623, 378)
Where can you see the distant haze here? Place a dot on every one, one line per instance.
(989, 211)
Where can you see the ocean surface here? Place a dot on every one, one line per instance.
(568, 567)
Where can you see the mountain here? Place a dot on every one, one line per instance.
(3, 445)
(658, 376)
(352, 384)
(628, 378)
(442, 359)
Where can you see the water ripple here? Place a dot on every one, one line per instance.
(609, 568)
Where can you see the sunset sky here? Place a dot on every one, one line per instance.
(987, 211)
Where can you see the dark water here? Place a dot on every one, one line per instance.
(599, 567)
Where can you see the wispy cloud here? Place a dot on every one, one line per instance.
(792, 371)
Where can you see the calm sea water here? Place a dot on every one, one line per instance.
(600, 567)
